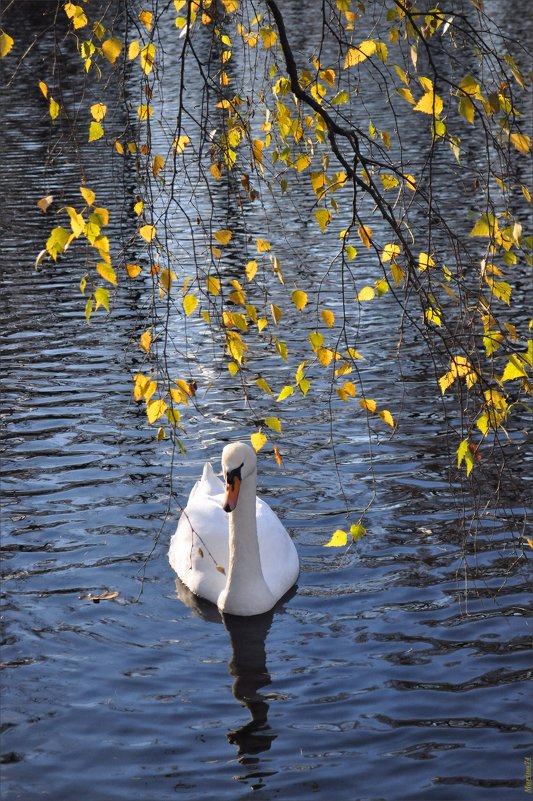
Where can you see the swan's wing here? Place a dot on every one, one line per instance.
(279, 558)
(201, 545)
(208, 485)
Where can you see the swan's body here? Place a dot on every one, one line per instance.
(243, 561)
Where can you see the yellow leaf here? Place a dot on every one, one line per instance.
(276, 312)
(389, 181)
(356, 55)
(401, 74)
(406, 94)
(263, 384)
(133, 50)
(213, 285)
(328, 317)
(111, 49)
(107, 272)
(467, 109)
(54, 108)
(338, 539)
(147, 232)
(329, 77)
(146, 18)
(368, 404)
(6, 43)
(357, 531)
(315, 339)
(353, 354)
(529, 542)
(348, 390)
(366, 293)
(425, 261)
(429, 103)
(230, 5)
(274, 423)
(155, 409)
(323, 218)
(263, 246)
(99, 216)
(325, 356)
(433, 315)
(501, 290)
(147, 58)
(157, 165)
(389, 252)
(487, 225)
(302, 162)
(76, 14)
(258, 440)
(95, 131)
(133, 270)
(351, 252)
(299, 299)
(521, 142)
(77, 223)
(386, 416)
(146, 341)
(101, 297)
(250, 270)
(365, 235)
(285, 393)
(144, 112)
(190, 302)
(45, 202)
(166, 278)
(268, 36)
(513, 369)
(223, 236)
(98, 111)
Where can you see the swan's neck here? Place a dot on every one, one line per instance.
(246, 589)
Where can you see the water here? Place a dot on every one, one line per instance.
(398, 670)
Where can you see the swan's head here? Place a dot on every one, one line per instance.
(238, 463)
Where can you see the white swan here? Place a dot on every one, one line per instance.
(243, 561)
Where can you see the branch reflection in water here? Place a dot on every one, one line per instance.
(248, 666)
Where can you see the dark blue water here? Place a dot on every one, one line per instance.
(399, 669)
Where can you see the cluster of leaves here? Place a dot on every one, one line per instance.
(454, 287)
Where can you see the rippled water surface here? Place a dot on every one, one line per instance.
(391, 673)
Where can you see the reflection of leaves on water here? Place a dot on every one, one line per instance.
(107, 595)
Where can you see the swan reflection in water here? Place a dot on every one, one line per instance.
(248, 666)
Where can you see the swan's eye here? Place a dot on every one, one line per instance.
(231, 475)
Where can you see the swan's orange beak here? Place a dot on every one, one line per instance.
(232, 494)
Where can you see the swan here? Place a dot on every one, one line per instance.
(230, 547)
